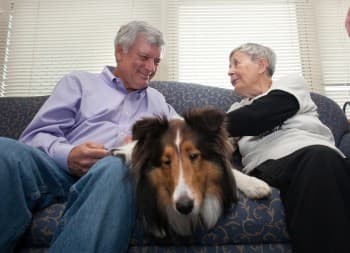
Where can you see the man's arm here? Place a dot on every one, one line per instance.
(52, 123)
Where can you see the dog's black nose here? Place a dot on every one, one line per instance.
(184, 205)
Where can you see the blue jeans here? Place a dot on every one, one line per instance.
(100, 211)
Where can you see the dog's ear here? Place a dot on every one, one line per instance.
(147, 132)
(207, 119)
(149, 127)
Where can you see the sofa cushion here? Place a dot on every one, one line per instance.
(183, 96)
(16, 113)
(331, 115)
(246, 222)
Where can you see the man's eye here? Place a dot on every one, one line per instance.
(144, 57)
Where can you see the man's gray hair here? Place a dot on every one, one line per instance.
(256, 51)
(128, 33)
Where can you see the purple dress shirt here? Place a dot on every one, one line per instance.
(91, 107)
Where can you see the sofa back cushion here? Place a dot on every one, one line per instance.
(16, 113)
(331, 115)
(183, 96)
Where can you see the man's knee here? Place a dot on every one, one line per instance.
(9, 145)
(110, 168)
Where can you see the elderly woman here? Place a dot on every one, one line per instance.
(284, 143)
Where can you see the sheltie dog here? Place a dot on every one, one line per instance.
(183, 173)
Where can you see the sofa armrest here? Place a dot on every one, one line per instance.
(344, 144)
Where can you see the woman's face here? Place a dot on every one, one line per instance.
(245, 74)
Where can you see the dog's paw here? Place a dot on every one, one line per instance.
(124, 152)
(255, 188)
(251, 187)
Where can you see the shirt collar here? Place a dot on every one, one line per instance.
(116, 82)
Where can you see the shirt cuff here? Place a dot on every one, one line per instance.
(60, 155)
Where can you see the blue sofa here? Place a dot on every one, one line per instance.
(248, 226)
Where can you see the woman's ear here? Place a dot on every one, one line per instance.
(263, 65)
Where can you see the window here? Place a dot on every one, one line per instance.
(209, 30)
(335, 49)
(47, 39)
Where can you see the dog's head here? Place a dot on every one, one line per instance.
(182, 171)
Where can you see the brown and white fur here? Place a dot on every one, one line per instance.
(182, 171)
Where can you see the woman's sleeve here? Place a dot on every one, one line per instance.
(263, 114)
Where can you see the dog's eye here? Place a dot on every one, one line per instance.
(193, 156)
(166, 161)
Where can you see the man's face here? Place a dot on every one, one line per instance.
(137, 67)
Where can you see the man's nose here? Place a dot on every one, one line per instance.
(150, 65)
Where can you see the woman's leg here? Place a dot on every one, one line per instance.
(29, 180)
(100, 212)
(315, 190)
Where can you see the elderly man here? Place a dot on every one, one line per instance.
(63, 155)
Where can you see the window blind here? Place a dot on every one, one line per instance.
(335, 53)
(208, 30)
(50, 38)
(4, 23)
(41, 40)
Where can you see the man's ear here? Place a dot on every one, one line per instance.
(118, 53)
(263, 65)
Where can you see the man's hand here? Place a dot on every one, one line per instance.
(83, 156)
(347, 22)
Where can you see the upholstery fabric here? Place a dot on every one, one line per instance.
(248, 226)
(16, 113)
(246, 222)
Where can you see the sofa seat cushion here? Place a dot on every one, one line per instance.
(239, 248)
(246, 222)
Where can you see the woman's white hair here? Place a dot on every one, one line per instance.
(256, 51)
(128, 33)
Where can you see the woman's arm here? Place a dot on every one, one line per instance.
(263, 114)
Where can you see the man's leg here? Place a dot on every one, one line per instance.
(100, 212)
(29, 180)
(315, 190)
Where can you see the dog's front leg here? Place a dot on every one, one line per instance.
(252, 187)
(125, 152)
